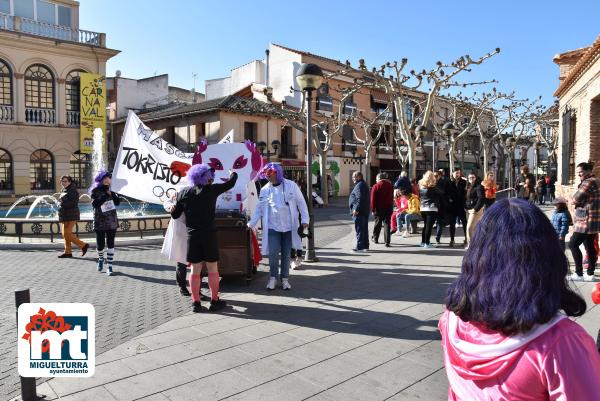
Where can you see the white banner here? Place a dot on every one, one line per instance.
(152, 170)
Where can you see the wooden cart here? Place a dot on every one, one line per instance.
(235, 245)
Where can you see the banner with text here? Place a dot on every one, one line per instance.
(92, 109)
(152, 170)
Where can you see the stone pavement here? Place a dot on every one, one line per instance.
(141, 295)
(354, 327)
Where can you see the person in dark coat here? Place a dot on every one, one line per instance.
(475, 201)
(382, 207)
(444, 213)
(68, 215)
(431, 200)
(198, 202)
(403, 182)
(526, 184)
(457, 190)
(359, 208)
(105, 203)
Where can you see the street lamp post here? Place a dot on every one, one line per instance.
(510, 144)
(309, 78)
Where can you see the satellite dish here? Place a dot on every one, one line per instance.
(118, 73)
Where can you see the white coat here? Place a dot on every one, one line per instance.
(175, 245)
(295, 201)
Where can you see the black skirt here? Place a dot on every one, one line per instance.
(202, 247)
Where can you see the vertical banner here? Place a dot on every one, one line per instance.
(92, 90)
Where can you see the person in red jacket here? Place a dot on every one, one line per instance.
(382, 206)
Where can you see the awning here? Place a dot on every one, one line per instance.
(379, 97)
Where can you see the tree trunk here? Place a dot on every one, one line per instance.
(367, 172)
(451, 149)
(323, 172)
(412, 161)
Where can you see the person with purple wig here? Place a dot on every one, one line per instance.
(506, 334)
(105, 203)
(198, 202)
(279, 204)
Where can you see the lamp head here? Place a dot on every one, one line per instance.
(309, 77)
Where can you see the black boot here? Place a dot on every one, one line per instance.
(216, 305)
(196, 308)
(184, 291)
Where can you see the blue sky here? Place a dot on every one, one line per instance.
(211, 37)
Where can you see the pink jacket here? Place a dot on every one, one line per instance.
(556, 361)
(401, 203)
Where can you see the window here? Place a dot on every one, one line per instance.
(348, 139)
(349, 105)
(547, 133)
(250, 130)
(45, 12)
(324, 101)
(23, 8)
(288, 149)
(72, 90)
(5, 6)
(41, 170)
(5, 85)
(81, 169)
(320, 132)
(6, 182)
(64, 16)
(409, 111)
(39, 87)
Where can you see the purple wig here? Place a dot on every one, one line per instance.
(514, 272)
(200, 174)
(269, 169)
(102, 174)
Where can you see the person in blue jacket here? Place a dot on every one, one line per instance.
(359, 209)
(561, 220)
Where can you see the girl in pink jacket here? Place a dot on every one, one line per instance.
(506, 334)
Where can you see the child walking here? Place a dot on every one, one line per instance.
(561, 220)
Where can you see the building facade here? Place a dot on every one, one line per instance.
(42, 53)
(579, 113)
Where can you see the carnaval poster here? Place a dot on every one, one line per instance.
(92, 109)
(152, 170)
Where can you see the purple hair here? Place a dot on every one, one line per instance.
(270, 169)
(514, 272)
(200, 174)
(102, 174)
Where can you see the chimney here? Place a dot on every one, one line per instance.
(267, 69)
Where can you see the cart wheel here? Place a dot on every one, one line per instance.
(254, 269)
(248, 280)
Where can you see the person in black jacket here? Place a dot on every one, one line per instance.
(359, 204)
(198, 202)
(475, 202)
(68, 215)
(456, 191)
(431, 204)
(105, 203)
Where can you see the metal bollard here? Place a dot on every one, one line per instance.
(28, 386)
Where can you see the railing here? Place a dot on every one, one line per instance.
(40, 116)
(288, 151)
(73, 119)
(27, 25)
(51, 227)
(7, 114)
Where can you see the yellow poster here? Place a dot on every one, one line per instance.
(92, 109)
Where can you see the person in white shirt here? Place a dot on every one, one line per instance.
(279, 202)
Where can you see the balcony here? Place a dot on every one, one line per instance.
(68, 34)
(288, 151)
(7, 114)
(384, 150)
(37, 116)
(73, 119)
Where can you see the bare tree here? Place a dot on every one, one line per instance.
(413, 107)
(323, 130)
(367, 141)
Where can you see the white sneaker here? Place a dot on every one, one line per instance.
(405, 234)
(285, 284)
(588, 277)
(293, 264)
(575, 277)
(271, 283)
(298, 262)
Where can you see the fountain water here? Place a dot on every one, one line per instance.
(43, 199)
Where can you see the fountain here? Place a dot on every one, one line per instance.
(47, 205)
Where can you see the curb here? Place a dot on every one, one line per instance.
(59, 245)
